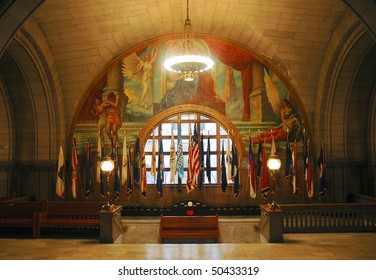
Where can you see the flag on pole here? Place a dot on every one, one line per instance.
(193, 162)
(288, 162)
(130, 173)
(61, 175)
(172, 159)
(228, 158)
(208, 163)
(99, 160)
(295, 186)
(307, 171)
(179, 155)
(264, 174)
(143, 175)
(137, 163)
(89, 171)
(153, 170)
(223, 170)
(323, 179)
(259, 160)
(74, 170)
(251, 171)
(201, 174)
(124, 162)
(115, 158)
(160, 175)
(234, 170)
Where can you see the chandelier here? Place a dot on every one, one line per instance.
(191, 62)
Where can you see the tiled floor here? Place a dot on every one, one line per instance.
(323, 246)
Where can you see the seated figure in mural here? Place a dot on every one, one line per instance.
(290, 127)
(100, 112)
(200, 91)
(113, 105)
(290, 120)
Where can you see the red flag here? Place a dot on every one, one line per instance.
(74, 170)
(264, 174)
(295, 186)
(60, 178)
(193, 162)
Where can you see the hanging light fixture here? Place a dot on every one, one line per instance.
(190, 63)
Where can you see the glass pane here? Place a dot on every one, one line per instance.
(185, 129)
(204, 118)
(156, 129)
(174, 118)
(185, 143)
(213, 144)
(222, 131)
(189, 117)
(166, 129)
(166, 145)
(214, 177)
(150, 178)
(148, 161)
(167, 161)
(209, 128)
(149, 145)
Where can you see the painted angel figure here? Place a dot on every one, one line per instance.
(290, 127)
(140, 70)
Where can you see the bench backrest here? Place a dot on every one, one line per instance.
(189, 222)
(71, 208)
(26, 209)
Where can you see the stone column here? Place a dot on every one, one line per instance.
(258, 92)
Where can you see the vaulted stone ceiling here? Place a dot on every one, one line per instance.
(293, 36)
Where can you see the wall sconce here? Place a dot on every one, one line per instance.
(107, 166)
(274, 164)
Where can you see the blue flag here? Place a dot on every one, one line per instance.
(259, 160)
(89, 171)
(208, 164)
(323, 180)
(137, 163)
(179, 155)
(160, 175)
(130, 173)
(235, 170)
(223, 171)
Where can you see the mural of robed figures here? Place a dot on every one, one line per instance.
(145, 88)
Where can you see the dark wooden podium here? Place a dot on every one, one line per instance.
(111, 226)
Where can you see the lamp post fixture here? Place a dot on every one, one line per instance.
(274, 164)
(107, 166)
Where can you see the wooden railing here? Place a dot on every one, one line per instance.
(344, 217)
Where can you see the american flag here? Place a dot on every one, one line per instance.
(193, 161)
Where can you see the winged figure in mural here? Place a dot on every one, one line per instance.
(290, 120)
(140, 71)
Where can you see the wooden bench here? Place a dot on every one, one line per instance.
(69, 215)
(189, 227)
(20, 215)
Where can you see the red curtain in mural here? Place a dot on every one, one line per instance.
(238, 60)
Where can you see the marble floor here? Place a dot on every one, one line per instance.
(238, 242)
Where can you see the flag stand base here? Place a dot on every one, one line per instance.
(270, 225)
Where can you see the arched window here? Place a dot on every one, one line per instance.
(218, 131)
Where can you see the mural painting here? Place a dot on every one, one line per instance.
(238, 87)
